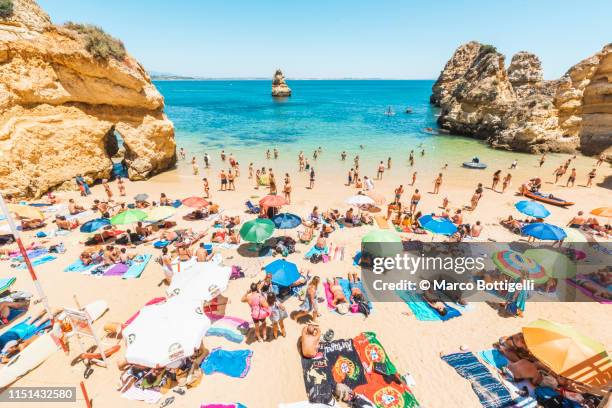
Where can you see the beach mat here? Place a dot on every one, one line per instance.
(382, 222)
(231, 328)
(336, 362)
(38, 261)
(490, 391)
(116, 270)
(494, 358)
(235, 363)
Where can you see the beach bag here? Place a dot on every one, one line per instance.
(364, 308)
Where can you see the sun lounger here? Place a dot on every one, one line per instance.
(490, 391)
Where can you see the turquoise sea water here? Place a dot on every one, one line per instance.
(241, 117)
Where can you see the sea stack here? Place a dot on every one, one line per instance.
(279, 86)
(514, 108)
(65, 99)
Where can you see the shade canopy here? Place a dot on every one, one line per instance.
(512, 263)
(273, 200)
(568, 353)
(26, 211)
(201, 281)
(284, 273)
(94, 225)
(359, 200)
(160, 213)
(544, 231)
(195, 202)
(555, 264)
(257, 230)
(128, 217)
(163, 333)
(532, 209)
(437, 225)
(286, 221)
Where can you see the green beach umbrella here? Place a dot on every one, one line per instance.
(128, 217)
(257, 230)
(382, 243)
(555, 264)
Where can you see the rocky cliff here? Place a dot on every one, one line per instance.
(279, 86)
(514, 108)
(62, 105)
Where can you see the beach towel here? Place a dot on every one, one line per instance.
(421, 309)
(78, 266)
(382, 222)
(372, 353)
(231, 328)
(494, 358)
(33, 254)
(314, 250)
(336, 362)
(137, 266)
(6, 283)
(135, 393)
(233, 363)
(116, 270)
(576, 282)
(490, 391)
(38, 261)
(234, 405)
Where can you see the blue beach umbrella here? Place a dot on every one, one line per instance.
(544, 231)
(437, 225)
(532, 209)
(286, 221)
(94, 225)
(283, 273)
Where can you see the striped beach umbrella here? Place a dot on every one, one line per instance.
(512, 263)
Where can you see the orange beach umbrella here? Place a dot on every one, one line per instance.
(569, 353)
(602, 212)
(273, 201)
(195, 202)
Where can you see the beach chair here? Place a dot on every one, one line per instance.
(251, 208)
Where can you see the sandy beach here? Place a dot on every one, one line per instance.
(276, 374)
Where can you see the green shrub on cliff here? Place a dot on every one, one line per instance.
(6, 8)
(100, 44)
(487, 49)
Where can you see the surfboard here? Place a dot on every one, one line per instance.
(41, 349)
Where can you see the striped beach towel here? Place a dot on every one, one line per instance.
(490, 391)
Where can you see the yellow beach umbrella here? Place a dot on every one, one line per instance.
(26, 211)
(568, 353)
(555, 264)
(160, 213)
(602, 212)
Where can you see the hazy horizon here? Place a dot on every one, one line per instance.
(389, 39)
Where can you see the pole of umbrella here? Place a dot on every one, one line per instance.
(24, 253)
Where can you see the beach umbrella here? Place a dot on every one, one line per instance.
(512, 263)
(573, 235)
(273, 200)
(359, 200)
(201, 281)
(286, 221)
(382, 243)
(160, 213)
(437, 225)
(568, 352)
(195, 202)
(164, 333)
(141, 197)
(602, 212)
(555, 264)
(94, 225)
(377, 197)
(284, 273)
(544, 231)
(257, 230)
(128, 217)
(26, 211)
(532, 209)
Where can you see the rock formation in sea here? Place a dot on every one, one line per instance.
(65, 93)
(279, 86)
(516, 109)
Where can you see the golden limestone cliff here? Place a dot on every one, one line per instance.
(514, 108)
(62, 103)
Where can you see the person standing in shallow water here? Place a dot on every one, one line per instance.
(381, 170)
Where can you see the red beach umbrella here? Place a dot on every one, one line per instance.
(273, 201)
(195, 202)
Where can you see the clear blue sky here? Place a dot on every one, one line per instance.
(339, 38)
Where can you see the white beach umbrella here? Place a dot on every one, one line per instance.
(200, 281)
(359, 200)
(164, 333)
